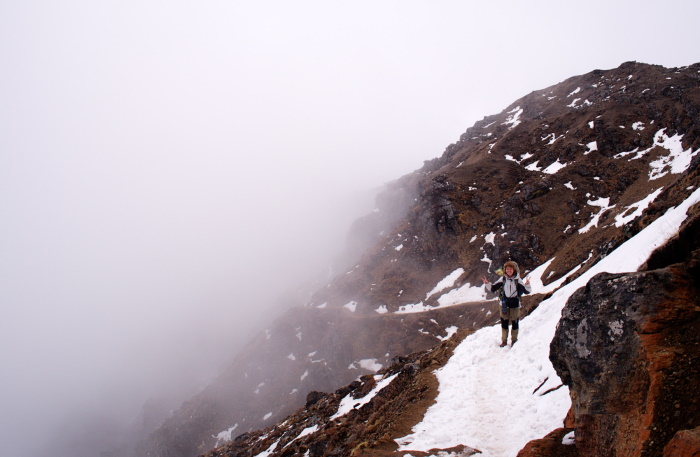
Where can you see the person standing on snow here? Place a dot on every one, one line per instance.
(512, 288)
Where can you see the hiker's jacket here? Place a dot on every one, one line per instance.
(513, 288)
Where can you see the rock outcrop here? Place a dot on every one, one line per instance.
(628, 347)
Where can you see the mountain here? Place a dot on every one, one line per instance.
(559, 181)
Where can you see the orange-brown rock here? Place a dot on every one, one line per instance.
(551, 445)
(685, 443)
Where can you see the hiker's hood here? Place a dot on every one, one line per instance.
(513, 265)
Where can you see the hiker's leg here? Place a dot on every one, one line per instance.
(516, 326)
(504, 330)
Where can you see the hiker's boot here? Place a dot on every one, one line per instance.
(513, 337)
(504, 337)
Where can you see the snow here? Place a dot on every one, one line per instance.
(514, 119)
(367, 364)
(573, 104)
(604, 204)
(267, 416)
(568, 185)
(490, 238)
(626, 153)
(552, 137)
(536, 278)
(382, 309)
(447, 282)
(533, 166)
(678, 160)
(414, 308)
(486, 398)
(554, 167)
(450, 331)
(269, 450)
(576, 91)
(640, 206)
(370, 364)
(486, 259)
(224, 436)
(306, 431)
(592, 146)
(466, 293)
(348, 403)
(352, 306)
(568, 439)
(291, 357)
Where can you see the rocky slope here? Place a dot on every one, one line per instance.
(564, 174)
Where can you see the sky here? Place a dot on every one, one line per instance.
(170, 171)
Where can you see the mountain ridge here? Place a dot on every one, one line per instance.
(561, 175)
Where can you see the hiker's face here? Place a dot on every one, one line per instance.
(510, 271)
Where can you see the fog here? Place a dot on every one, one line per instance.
(170, 172)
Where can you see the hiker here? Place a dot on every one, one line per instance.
(512, 287)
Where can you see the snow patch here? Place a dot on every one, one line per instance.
(554, 167)
(639, 207)
(514, 119)
(569, 439)
(447, 282)
(604, 204)
(450, 331)
(533, 166)
(592, 146)
(465, 294)
(225, 436)
(348, 403)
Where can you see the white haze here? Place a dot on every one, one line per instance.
(170, 170)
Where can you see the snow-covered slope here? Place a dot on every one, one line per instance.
(495, 399)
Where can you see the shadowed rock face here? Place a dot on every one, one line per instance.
(527, 184)
(628, 347)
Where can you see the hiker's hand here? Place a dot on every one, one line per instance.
(527, 280)
(486, 281)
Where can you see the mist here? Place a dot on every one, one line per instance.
(171, 173)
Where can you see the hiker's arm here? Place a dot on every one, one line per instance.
(497, 285)
(525, 286)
